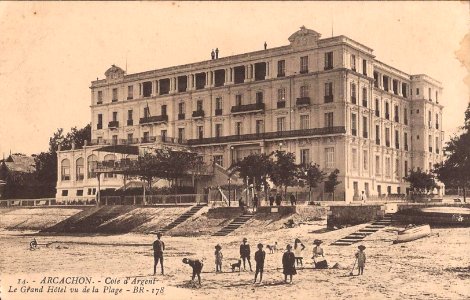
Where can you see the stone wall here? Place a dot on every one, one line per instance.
(340, 216)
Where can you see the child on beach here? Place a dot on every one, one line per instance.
(361, 259)
(260, 255)
(298, 248)
(197, 265)
(288, 264)
(218, 258)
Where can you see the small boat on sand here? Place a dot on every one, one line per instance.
(413, 232)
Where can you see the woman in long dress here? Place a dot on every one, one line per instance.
(318, 257)
(288, 263)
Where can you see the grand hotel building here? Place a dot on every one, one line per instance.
(329, 101)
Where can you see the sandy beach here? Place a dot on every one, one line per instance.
(436, 267)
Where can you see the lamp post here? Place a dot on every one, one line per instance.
(229, 196)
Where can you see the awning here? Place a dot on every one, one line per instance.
(123, 149)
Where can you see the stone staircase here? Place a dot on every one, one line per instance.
(238, 222)
(182, 218)
(364, 232)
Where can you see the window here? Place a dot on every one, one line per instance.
(405, 116)
(387, 137)
(90, 165)
(100, 97)
(387, 111)
(377, 134)
(417, 91)
(397, 140)
(199, 105)
(181, 134)
(114, 139)
(259, 126)
(353, 62)
(218, 103)
(404, 90)
(218, 130)
(387, 167)
(130, 92)
(281, 68)
(181, 108)
(437, 99)
(396, 114)
(328, 60)
(99, 124)
(238, 128)
(304, 64)
(354, 124)
(130, 114)
(365, 160)
(163, 110)
(329, 119)
(304, 156)
(397, 168)
(365, 131)
(146, 137)
(377, 107)
(65, 169)
(218, 159)
(146, 112)
(429, 119)
(304, 121)
(259, 97)
(147, 88)
(281, 124)
(406, 168)
(354, 159)
(65, 193)
(163, 134)
(364, 97)
(281, 94)
(437, 121)
(353, 93)
(115, 95)
(130, 138)
(430, 143)
(238, 100)
(364, 67)
(115, 116)
(429, 94)
(328, 92)
(405, 137)
(377, 165)
(79, 169)
(304, 91)
(330, 157)
(437, 144)
(200, 132)
(80, 193)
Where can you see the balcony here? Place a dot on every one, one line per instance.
(269, 135)
(328, 98)
(406, 147)
(198, 114)
(130, 97)
(281, 75)
(354, 132)
(387, 143)
(302, 101)
(328, 67)
(113, 124)
(281, 104)
(387, 116)
(303, 71)
(430, 149)
(364, 103)
(218, 111)
(154, 119)
(113, 142)
(353, 99)
(99, 102)
(130, 122)
(377, 142)
(99, 126)
(181, 116)
(114, 100)
(246, 108)
(377, 113)
(365, 134)
(397, 145)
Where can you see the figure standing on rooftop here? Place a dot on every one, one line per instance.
(212, 54)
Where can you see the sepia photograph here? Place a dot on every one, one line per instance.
(235, 150)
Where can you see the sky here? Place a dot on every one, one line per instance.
(51, 51)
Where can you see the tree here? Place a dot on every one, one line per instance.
(455, 170)
(284, 171)
(332, 182)
(420, 182)
(312, 176)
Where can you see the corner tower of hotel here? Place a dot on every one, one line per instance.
(328, 101)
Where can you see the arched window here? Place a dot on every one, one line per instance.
(65, 169)
(79, 169)
(91, 161)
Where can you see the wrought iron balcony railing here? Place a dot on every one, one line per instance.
(154, 119)
(328, 98)
(246, 108)
(130, 122)
(198, 114)
(113, 124)
(181, 116)
(281, 104)
(302, 101)
(218, 111)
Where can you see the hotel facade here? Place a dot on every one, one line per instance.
(329, 101)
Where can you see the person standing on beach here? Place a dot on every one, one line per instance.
(298, 248)
(218, 258)
(288, 264)
(361, 259)
(245, 253)
(196, 264)
(260, 255)
(158, 248)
